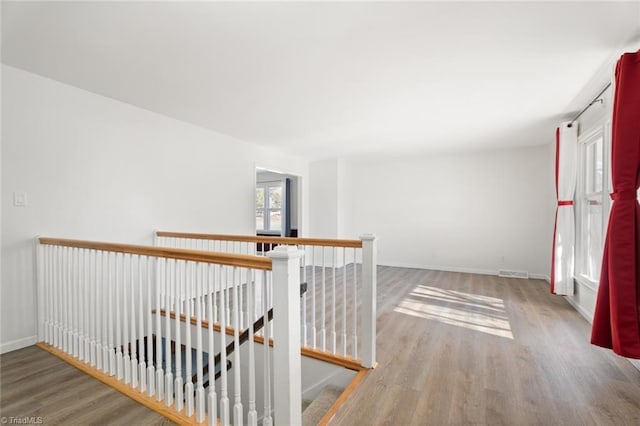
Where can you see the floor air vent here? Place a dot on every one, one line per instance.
(512, 274)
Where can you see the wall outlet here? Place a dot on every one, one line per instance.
(19, 199)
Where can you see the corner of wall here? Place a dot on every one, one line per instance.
(18, 344)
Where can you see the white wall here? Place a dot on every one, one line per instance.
(345, 200)
(94, 168)
(476, 212)
(331, 199)
(323, 200)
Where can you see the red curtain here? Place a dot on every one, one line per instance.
(616, 322)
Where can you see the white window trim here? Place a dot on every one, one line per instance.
(267, 217)
(601, 129)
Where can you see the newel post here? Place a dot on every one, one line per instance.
(368, 311)
(287, 370)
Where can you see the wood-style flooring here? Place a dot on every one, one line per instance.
(461, 349)
(453, 349)
(35, 384)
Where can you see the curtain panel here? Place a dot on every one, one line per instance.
(617, 316)
(563, 250)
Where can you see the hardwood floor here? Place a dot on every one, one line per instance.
(453, 349)
(464, 349)
(34, 383)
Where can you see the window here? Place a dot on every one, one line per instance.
(592, 208)
(269, 207)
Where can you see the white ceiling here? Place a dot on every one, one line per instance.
(330, 79)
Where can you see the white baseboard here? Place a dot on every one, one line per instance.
(440, 268)
(540, 277)
(18, 344)
(635, 362)
(457, 269)
(580, 310)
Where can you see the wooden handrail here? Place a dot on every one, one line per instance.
(239, 260)
(265, 239)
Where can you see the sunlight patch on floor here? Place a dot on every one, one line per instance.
(471, 311)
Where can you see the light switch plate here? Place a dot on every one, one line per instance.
(20, 199)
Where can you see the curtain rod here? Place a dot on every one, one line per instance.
(596, 99)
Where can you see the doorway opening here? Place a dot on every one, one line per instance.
(277, 203)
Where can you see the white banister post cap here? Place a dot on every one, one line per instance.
(368, 237)
(285, 252)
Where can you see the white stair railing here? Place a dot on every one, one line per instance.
(338, 310)
(121, 311)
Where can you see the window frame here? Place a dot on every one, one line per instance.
(267, 210)
(591, 136)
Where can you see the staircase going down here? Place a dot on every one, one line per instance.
(314, 411)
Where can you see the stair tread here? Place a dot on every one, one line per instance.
(312, 414)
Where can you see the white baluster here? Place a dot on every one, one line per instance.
(67, 297)
(168, 373)
(240, 299)
(134, 349)
(216, 286)
(126, 359)
(119, 269)
(344, 302)
(188, 387)
(84, 282)
(151, 380)
(142, 365)
(333, 300)
(179, 381)
(55, 296)
(86, 349)
(110, 302)
(103, 309)
(237, 406)
(61, 297)
(100, 285)
(303, 314)
(55, 268)
(355, 306)
(71, 281)
(312, 288)
(56, 292)
(200, 407)
(79, 305)
(75, 302)
(267, 419)
(159, 382)
(48, 294)
(323, 304)
(252, 415)
(53, 293)
(211, 375)
(224, 399)
(94, 308)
